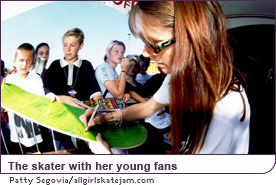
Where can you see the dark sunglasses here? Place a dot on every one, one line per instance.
(161, 45)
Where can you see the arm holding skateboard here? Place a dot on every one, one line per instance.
(68, 99)
(131, 113)
(64, 99)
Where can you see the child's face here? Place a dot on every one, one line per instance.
(134, 68)
(144, 66)
(71, 47)
(23, 62)
(116, 55)
(43, 52)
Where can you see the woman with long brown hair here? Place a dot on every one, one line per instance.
(208, 105)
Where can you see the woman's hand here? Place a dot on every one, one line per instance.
(100, 147)
(99, 118)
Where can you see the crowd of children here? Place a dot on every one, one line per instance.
(65, 79)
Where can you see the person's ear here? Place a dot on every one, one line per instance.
(81, 45)
(107, 54)
(33, 60)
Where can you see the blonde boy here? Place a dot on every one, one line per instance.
(23, 130)
(71, 77)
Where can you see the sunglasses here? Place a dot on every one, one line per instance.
(161, 45)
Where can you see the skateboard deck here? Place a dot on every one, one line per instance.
(64, 118)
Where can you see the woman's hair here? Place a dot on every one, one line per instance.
(202, 69)
(76, 32)
(113, 44)
(162, 12)
(40, 45)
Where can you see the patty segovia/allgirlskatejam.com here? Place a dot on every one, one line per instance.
(78, 180)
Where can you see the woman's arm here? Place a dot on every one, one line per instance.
(134, 112)
(131, 113)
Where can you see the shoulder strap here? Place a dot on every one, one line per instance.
(105, 92)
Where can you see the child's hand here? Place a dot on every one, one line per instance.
(51, 96)
(68, 100)
(64, 99)
(126, 97)
(2, 109)
(125, 64)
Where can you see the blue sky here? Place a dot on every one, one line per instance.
(48, 23)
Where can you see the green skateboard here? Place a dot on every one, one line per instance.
(64, 118)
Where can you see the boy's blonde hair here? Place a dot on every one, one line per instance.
(26, 47)
(76, 32)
